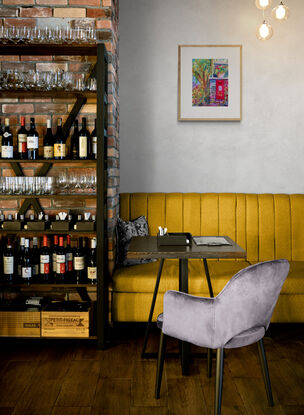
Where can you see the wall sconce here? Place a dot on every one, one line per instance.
(280, 13)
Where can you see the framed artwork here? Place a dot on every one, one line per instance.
(209, 82)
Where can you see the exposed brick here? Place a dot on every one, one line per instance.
(36, 12)
(6, 100)
(99, 13)
(83, 23)
(19, 22)
(88, 108)
(9, 204)
(45, 203)
(67, 203)
(69, 58)
(105, 35)
(20, 108)
(58, 108)
(107, 3)
(50, 66)
(36, 58)
(11, 58)
(104, 24)
(17, 2)
(35, 100)
(69, 12)
(86, 2)
(52, 2)
(21, 67)
(79, 67)
(9, 12)
(90, 203)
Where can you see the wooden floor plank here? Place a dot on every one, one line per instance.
(65, 410)
(290, 410)
(143, 385)
(185, 397)
(113, 397)
(117, 362)
(14, 381)
(244, 362)
(140, 410)
(79, 385)
(6, 411)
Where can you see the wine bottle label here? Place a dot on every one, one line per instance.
(26, 272)
(22, 143)
(78, 263)
(48, 152)
(60, 264)
(32, 142)
(6, 134)
(59, 150)
(7, 152)
(83, 146)
(8, 264)
(69, 261)
(92, 273)
(94, 146)
(54, 261)
(44, 264)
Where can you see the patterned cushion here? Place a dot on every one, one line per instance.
(125, 231)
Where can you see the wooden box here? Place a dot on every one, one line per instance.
(20, 323)
(67, 323)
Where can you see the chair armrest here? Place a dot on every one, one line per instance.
(189, 318)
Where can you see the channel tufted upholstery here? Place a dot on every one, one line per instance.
(267, 226)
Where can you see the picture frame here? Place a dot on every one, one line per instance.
(209, 82)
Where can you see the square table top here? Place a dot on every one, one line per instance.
(146, 247)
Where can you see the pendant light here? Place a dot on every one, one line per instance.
(281, 12)
(263, 4)
(264, 31)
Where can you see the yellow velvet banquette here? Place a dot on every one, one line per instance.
(267, 226)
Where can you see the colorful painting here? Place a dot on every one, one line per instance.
(209, 82)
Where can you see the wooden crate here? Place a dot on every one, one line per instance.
(20, 323)
(65, 323)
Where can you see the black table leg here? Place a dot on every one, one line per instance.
(183, 286)
(160, 268)
(208, 278)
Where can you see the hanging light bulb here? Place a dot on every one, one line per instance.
(263, 4)
(281, 12)
(264, 31)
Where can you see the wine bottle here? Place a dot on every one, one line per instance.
(79, 263)
(48, 142)
(84, 140)
(59, 142)
(94, 142)
(60, 260)
(35, 260)
(1, 135)
(8, 262)
(69, 259)
(22, 140)
(32, 141)
(54, 256)
(92, 263)
(26, 267)
(20, 259)
(7, 148)
(74, 153)
(45, 261)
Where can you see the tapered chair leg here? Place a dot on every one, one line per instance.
(160, 363)
(265, 371)
(209, 363)
(219, 381)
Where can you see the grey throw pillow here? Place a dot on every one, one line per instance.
(124, 232)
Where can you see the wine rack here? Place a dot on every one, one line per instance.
(99, 71)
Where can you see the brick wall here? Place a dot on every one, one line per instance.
(103, 15)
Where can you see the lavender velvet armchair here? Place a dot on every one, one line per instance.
(238, 316)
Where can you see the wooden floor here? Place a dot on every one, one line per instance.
(73, 378)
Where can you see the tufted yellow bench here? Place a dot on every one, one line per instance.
(267, 226)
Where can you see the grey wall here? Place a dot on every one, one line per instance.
(262, 153)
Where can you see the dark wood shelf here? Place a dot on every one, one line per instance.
(54, 196)
(48, 232)
(47, 286)
(47, 94)
(49, 49)
(53, 161)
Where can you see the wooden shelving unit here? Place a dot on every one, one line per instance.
(99, 71)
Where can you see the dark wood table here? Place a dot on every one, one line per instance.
(147, 247)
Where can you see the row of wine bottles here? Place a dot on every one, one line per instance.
(83, 144)
(59, 262)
